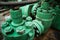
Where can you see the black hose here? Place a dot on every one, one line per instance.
(17, 3)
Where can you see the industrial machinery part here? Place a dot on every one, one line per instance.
(39, 27)
(34, 10)
(16, 28)
(56, 21)
(26, 10)
(45, 14)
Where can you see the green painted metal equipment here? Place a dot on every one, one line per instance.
(45, 14)
(34, 9)
(56, 21)
(39, 27)
(26, 10)
(16, 16)
(16, 28)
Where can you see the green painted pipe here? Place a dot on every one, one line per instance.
(16, 16)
